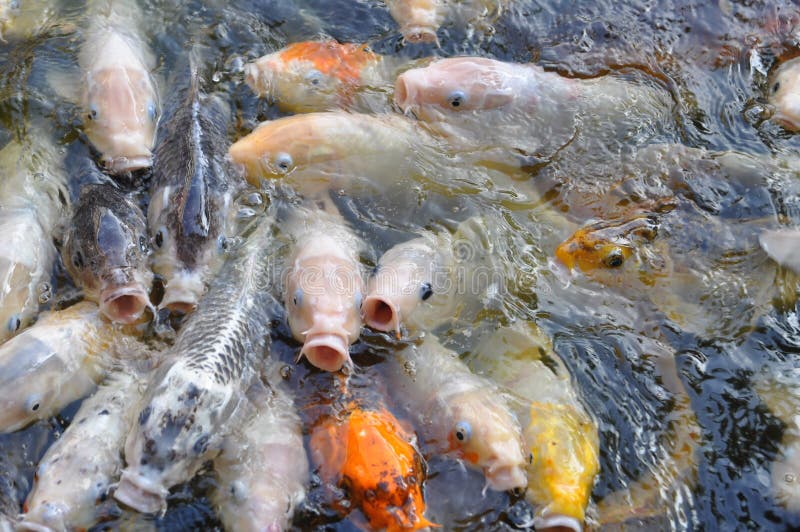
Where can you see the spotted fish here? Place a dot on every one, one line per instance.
(198, 390)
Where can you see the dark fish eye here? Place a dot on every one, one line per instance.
(298, 297)
(456, 99)
(77, 260)
(463, 431)
(33, 403)
(314, 77)
(14, 323)
(776, 87)
(159, 238)
(426, 291)
(92, 112)
(283, 162)
(614, 259)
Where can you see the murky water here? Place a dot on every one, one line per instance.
(652, 361)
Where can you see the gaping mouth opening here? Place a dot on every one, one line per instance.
(124, 305)
(328, 352)
(138, 493)
(401, 94)
(506, 477)
(381, 314)
(181, 308)
(420, 34)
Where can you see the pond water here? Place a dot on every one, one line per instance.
(658, 361)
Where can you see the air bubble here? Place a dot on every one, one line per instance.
(45, 293)
(286, 372)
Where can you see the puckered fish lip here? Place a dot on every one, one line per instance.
(788, 122)
(124, 304)
(259, 78)
(404, 93)
(419, 34)
(506, 477)
(48, 518)
(381, 313)
(182, 292)
(141, 494)
(132, 163)
(557, 521)
(328, 352)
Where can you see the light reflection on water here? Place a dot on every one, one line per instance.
(701, 53)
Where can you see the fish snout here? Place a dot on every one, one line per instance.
(48, 517)
(141, 494)
(127, 152)
(505, 477)
(326, 351)
(124, 304)
(557, 522)
(182, 293)
(405, 92)
(381, 313)
(420, 34)
(258, 76)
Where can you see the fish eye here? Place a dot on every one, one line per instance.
(14, 323)
(283, 162)
(314, 77)
(776, 87)
(151, 111)
(425, 291)
(298, 297)
(463, 431)
(159, 238)
(77, 260)
(92, 112)
(456, 99)
(614, 259)
(530, 458)
(33, 403)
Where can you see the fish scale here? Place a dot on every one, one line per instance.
(215, 359)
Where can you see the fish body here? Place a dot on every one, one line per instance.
(485, 106)
(192, 189)
(459, 413)
(323, 287)
(79, 468)
(119, 98)
(784, 94)
(33, 201)
(367, 452)
(263, 469)
(317, 151)
(783, 246)
(106, 250)
(560, 435)
(419, 20)
(58, 360)
(313, 76)
(17, 464)
(200, 388)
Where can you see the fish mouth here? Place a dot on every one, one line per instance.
(506, 477)
(328, 352)
(557, 521)
(182, 293)
(142, 495)
(47, 518)
(381, 314)
(258, 79)
(124, 304)
(122, 164)
(420, 34)
(403, 94)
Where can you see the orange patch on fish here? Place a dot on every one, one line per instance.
(603, 245)
(343, 61)
(372, 458)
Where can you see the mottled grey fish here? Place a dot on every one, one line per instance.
(196, 393)
(105, 251)
(192, 189)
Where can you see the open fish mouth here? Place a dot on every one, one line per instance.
(128, 164)
(420, 34)
(506, 477)
(182, 293)
(124, 304)
(328, 352)
(141, 494)
(381, 314)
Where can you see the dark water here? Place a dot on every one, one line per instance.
(706, 54)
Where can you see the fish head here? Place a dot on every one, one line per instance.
(784, 94)
(277, 148)
(402, 280)
(486, 434)
(609, 251)
(309, 76)
(563, 460)
(418, 19)
(178, 429)
(186, 237)
(121, 108)
(33, 375)
(450, 87)
(106, 251)
(323, 298)
(374, 460)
